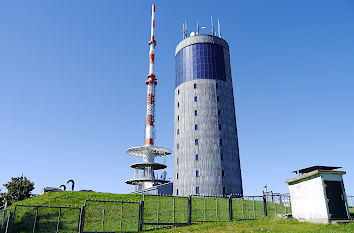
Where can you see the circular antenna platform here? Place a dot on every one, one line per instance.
(141, 151)
(154, 166)
(137, 181)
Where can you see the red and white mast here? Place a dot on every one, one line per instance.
(149, 152)
(151, 83)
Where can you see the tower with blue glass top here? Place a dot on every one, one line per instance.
(206, 151)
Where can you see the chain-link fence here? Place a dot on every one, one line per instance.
(164, 211)
(4, 220)
(151, 213)
(45, 219)
(110, 216)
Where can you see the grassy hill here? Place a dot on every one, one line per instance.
(263, 225)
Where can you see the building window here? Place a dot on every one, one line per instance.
(177, 176)
(196, 142)
(217, 85)
(219, 127)
(220, 142)
(223, 190)
(222, 173)
(177, 131)
(177, 118)
(217, 99)
(196, 190)
(177, 92)
(177, 104)
(195, 112)
(219, 112)
(222, 157)
(177, 192)
(195, 127)
(177, 160)
(195, 86)
(196, 173)
(195, 99)
(177, 145)
(196, 157)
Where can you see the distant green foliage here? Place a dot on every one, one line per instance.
(19, 188)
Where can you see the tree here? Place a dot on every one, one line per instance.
(2, 201)
(19, 188)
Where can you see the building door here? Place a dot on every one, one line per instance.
(336, 201)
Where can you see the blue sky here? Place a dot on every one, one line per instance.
(72, 92)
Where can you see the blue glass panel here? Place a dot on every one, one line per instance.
(200, 61)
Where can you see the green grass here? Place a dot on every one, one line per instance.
(263, 225)
(117, 217)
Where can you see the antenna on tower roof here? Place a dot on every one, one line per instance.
(197, 28)
(219, 33)
(212, 26)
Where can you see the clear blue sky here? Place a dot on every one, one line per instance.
(72, 92)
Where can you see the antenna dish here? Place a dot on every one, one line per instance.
(192, 34)
(164, 175)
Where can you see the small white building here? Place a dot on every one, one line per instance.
(317, 195)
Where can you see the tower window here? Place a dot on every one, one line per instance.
(195, 112)
(177, 104)
(196, 190)
(195, 99)
(196, 142)
(177, 131)
(196, 127)
(222, 157)
(195, 86)
(177, 192)
(177, 160)
(223, 190)
(217, 85)
(196, 157)
(220, 142)
(196, 173)
(217, 98)
(222, 173)
(219, 112)
(177, 118)
(177, 92)
(177, 145)
(177, 176)
(219, 127)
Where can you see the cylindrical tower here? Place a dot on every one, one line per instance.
(206, 154)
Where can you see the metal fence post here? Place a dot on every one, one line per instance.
(82, 218)
(174, 210)
(9, 224)
(254, 210)
(189, 210)
(265, 205)
(141, 216)
(216, 207)
(158, 208)
(230, 208)
(204, 209)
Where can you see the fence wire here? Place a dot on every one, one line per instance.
(45, 219)
(111, 216)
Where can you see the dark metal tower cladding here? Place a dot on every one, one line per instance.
(206, 152)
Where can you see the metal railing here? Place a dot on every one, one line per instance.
(152, 212)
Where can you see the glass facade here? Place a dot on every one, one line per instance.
(200, 61)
